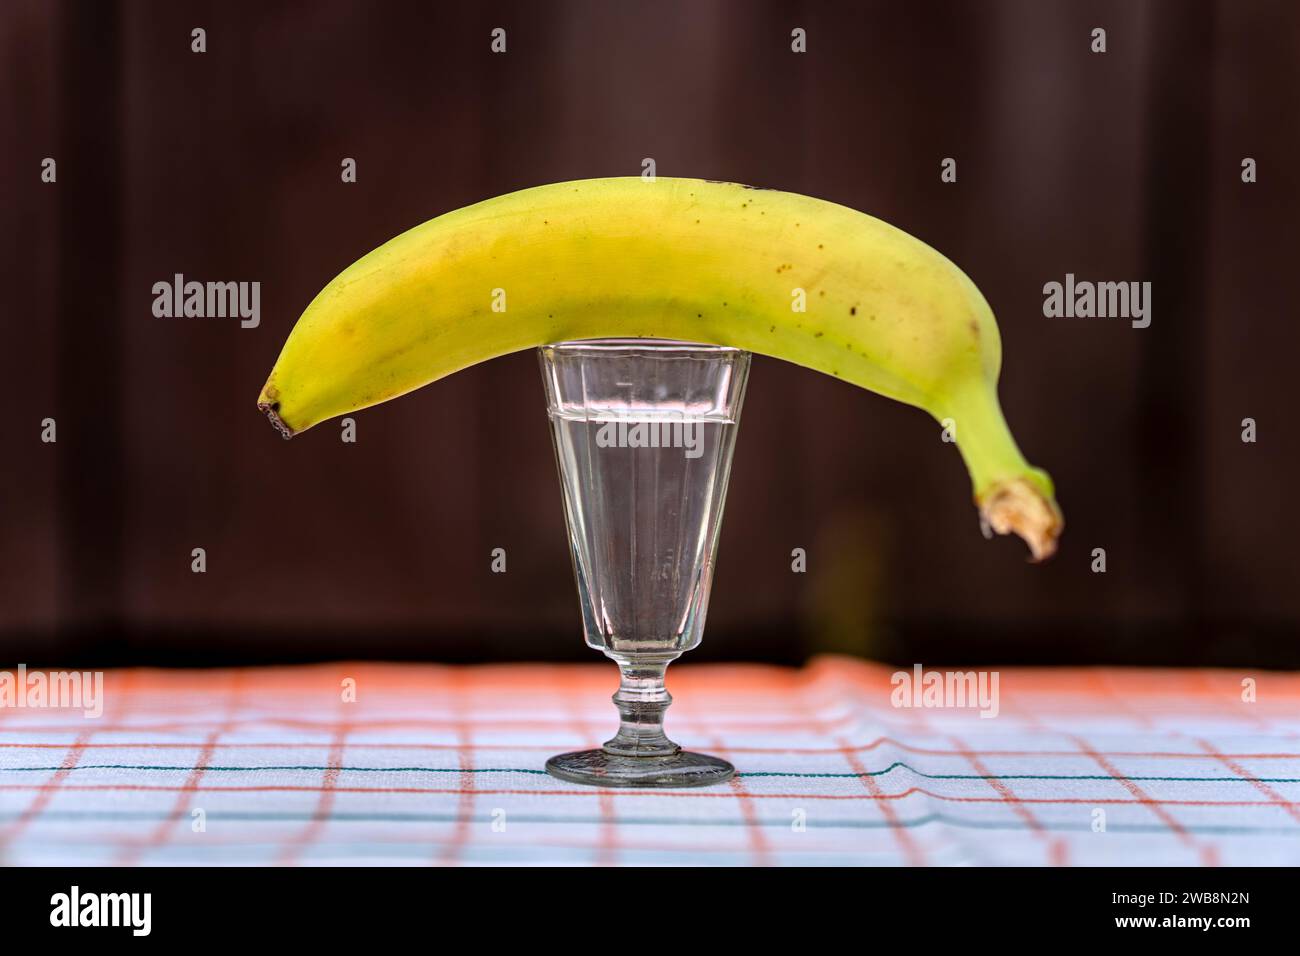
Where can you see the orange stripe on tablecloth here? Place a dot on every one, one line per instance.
(738, 721)
(737, 749)
(1001, 789)
(911, 850)
(608, 843)
(1055, 844)
(45, 792)
(465, 756)
(723, 678)
(323, 789)
(132, 854)
(902, 836)
(418, 678)
(328, 790)
(758, 846)
(1209, 855)
(159, 718)
(1083, 696)
(121, 687)
(1057, 847)
(1058, 852)
(1273, 796)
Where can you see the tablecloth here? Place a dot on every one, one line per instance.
(444, 765)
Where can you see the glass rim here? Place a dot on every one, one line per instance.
(647, 344)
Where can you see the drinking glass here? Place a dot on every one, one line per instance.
(643, 432)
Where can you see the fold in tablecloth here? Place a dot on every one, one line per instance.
(436, 765)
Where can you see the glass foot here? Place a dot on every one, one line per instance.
(601, 769)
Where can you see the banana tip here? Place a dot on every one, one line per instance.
(269, 406)
(1017, 505)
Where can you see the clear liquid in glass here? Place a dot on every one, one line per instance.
(644, 432)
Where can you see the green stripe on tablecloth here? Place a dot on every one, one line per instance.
(750, 774)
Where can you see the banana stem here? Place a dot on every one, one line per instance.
(1011, 494)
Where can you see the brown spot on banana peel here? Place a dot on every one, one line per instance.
(1016, 505)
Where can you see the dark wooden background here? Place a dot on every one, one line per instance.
(225, 165)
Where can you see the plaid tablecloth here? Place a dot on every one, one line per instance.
(443, 765)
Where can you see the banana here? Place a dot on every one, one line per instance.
(771, 272)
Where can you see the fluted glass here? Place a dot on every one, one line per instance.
(644, 431)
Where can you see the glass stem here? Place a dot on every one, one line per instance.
(641, 700)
